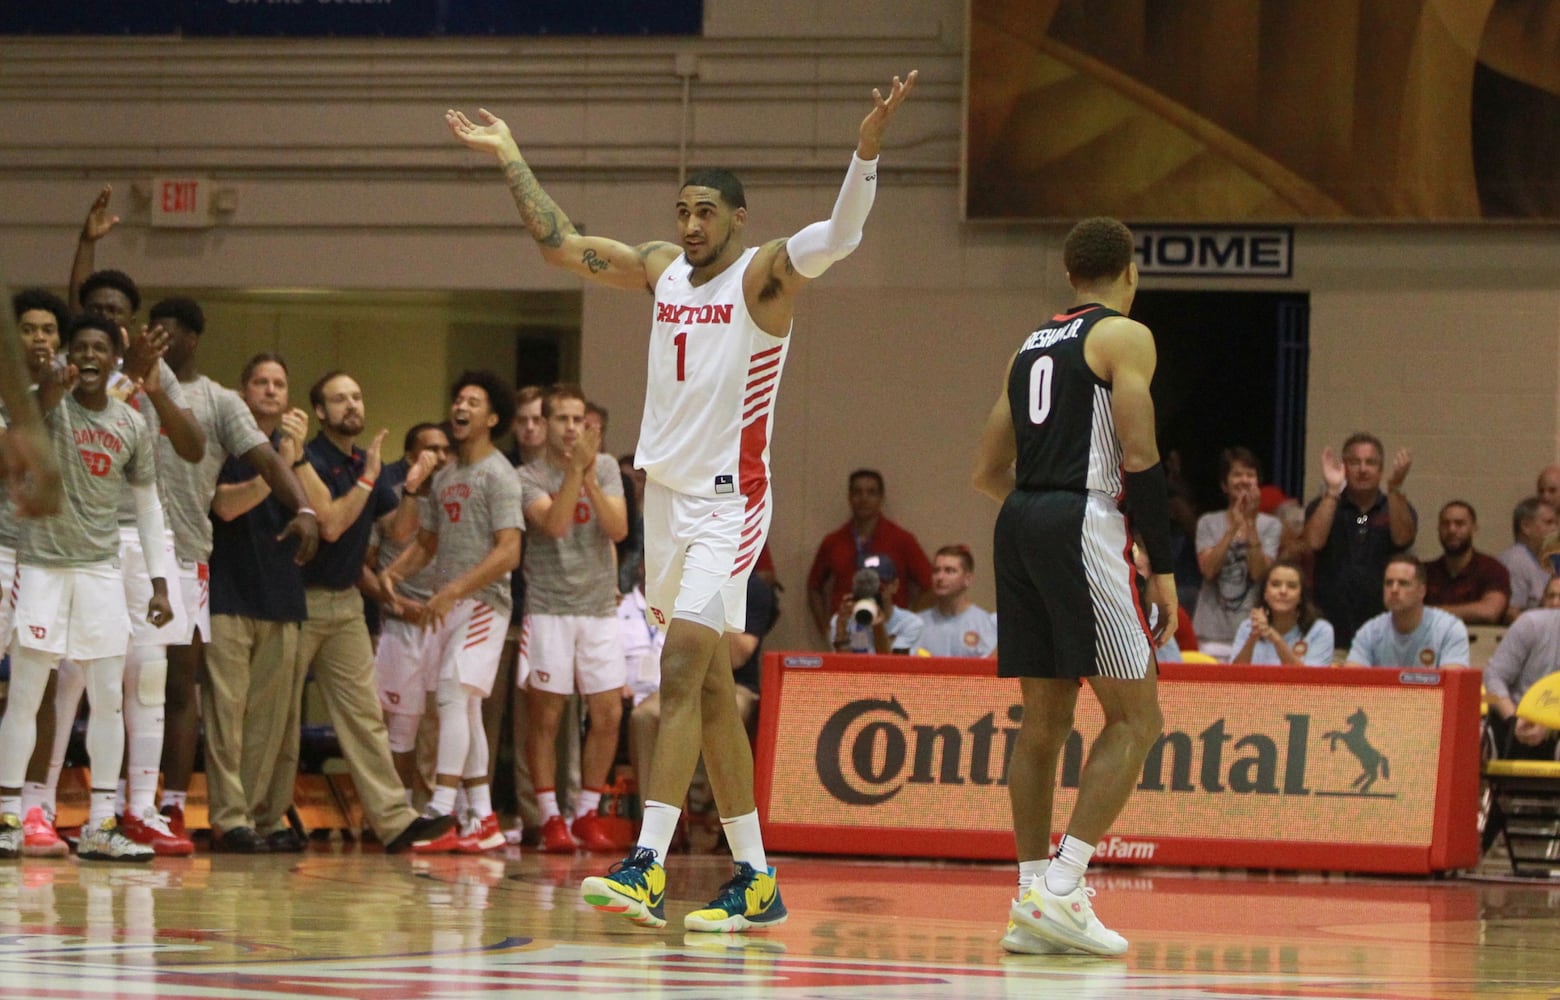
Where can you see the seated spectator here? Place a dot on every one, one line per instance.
(1408, 634)
(1354, 528)
(1184, 639)
(1548, 485)
(954, 626)
(1284, 628)
(1551, 598)
(891, 629)
(1234, 548)
(867, 532)
(1529, 652)
(1533, 523)
(1465, 582)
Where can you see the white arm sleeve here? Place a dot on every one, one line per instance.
(817, 246)
(149, 525)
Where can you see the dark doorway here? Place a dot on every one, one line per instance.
(1232, 370)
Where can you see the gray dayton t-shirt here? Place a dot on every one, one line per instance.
(100, 452)
(575, 574)
(418, 587)
(120, 386)
(466, 505)
(187, 487)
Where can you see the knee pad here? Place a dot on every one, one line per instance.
(151, 688)
(450, 692)
(403, 732)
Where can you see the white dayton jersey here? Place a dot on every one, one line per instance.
(713, 379)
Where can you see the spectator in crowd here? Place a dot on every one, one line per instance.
(1529, 652)
(867, 532)
(631, 550)
(1284, 628)
(954, 626)
(1354, 528)
(1551, 598)
(882, 626)
(1234, 548)
(1183, 538)
(1408, 634)
(1548, 485)
(1463, 581)
(1533, 523)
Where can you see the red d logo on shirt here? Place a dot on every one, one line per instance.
(97, 463)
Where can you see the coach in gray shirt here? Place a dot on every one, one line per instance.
(1529, 652)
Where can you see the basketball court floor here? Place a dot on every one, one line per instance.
(347, 922)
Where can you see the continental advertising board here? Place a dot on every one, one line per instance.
(1346, 769)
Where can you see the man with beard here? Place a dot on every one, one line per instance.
(343, 485)
(1465, 582)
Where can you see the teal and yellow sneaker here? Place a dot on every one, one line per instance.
(750, 901)
(634, 887)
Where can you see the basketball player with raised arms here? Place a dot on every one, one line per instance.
(718, 342)
(1069, 452)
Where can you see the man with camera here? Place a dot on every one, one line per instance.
(868, 621)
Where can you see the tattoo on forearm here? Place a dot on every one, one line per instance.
(541, 215)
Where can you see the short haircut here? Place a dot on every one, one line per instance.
(1409, 559)
(723, 181)
(962, 552)
(1525, 510)
(562, 390)
(263, 358)
(187, 311)
(317, 390)
(872, 474)
(528, 395)
(1473, 515)
(1097, 249)
(1364, 437)
(87, 321)
(501, 398)
(117, 280)
(1237, 455)
(410, 441)
(29, 299)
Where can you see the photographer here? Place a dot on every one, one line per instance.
(868, 621)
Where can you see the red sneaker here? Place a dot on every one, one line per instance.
(480, 835)
(39, 838)
(151, 830)
(174, 815)
(555, 836)
(447, 842)
(592, 834)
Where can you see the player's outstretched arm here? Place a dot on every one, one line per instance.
(607, 261)
(812, 250)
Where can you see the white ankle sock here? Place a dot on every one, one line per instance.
(655, 831)
(1028, 872)
(1067, 867)
(747, 842)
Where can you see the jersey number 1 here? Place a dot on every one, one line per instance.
(681, 340)
(1040, 388)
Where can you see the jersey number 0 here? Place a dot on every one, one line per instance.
(1040, 388)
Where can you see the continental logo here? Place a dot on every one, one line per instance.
(871, 749)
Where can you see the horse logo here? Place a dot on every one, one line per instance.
(1373, 764)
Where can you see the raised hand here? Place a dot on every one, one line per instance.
(586, 447)
(1332, 470)
(374, 461)
(420, 470)
(99, 222)
(876, 123)
(1259, 623)
(492, 136)
(143, 352)
(1401, 463)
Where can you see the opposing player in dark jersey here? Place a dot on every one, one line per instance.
(1070, 438)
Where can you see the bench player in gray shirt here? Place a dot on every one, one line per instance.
(470, 531)
(402, 668)
(571, 641)
(70, 594)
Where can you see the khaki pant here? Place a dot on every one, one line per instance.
(334, 645)
(244, 701)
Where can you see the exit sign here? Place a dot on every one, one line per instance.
(181, 202)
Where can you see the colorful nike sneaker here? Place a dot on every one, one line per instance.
(39, 838)
(107, 842)
(1019, 941)
(750, 901)
(1066, 920)
(634, 887)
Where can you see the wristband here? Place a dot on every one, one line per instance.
(366, 483)
(306, 510)
(302, 461)
(1148, 506)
